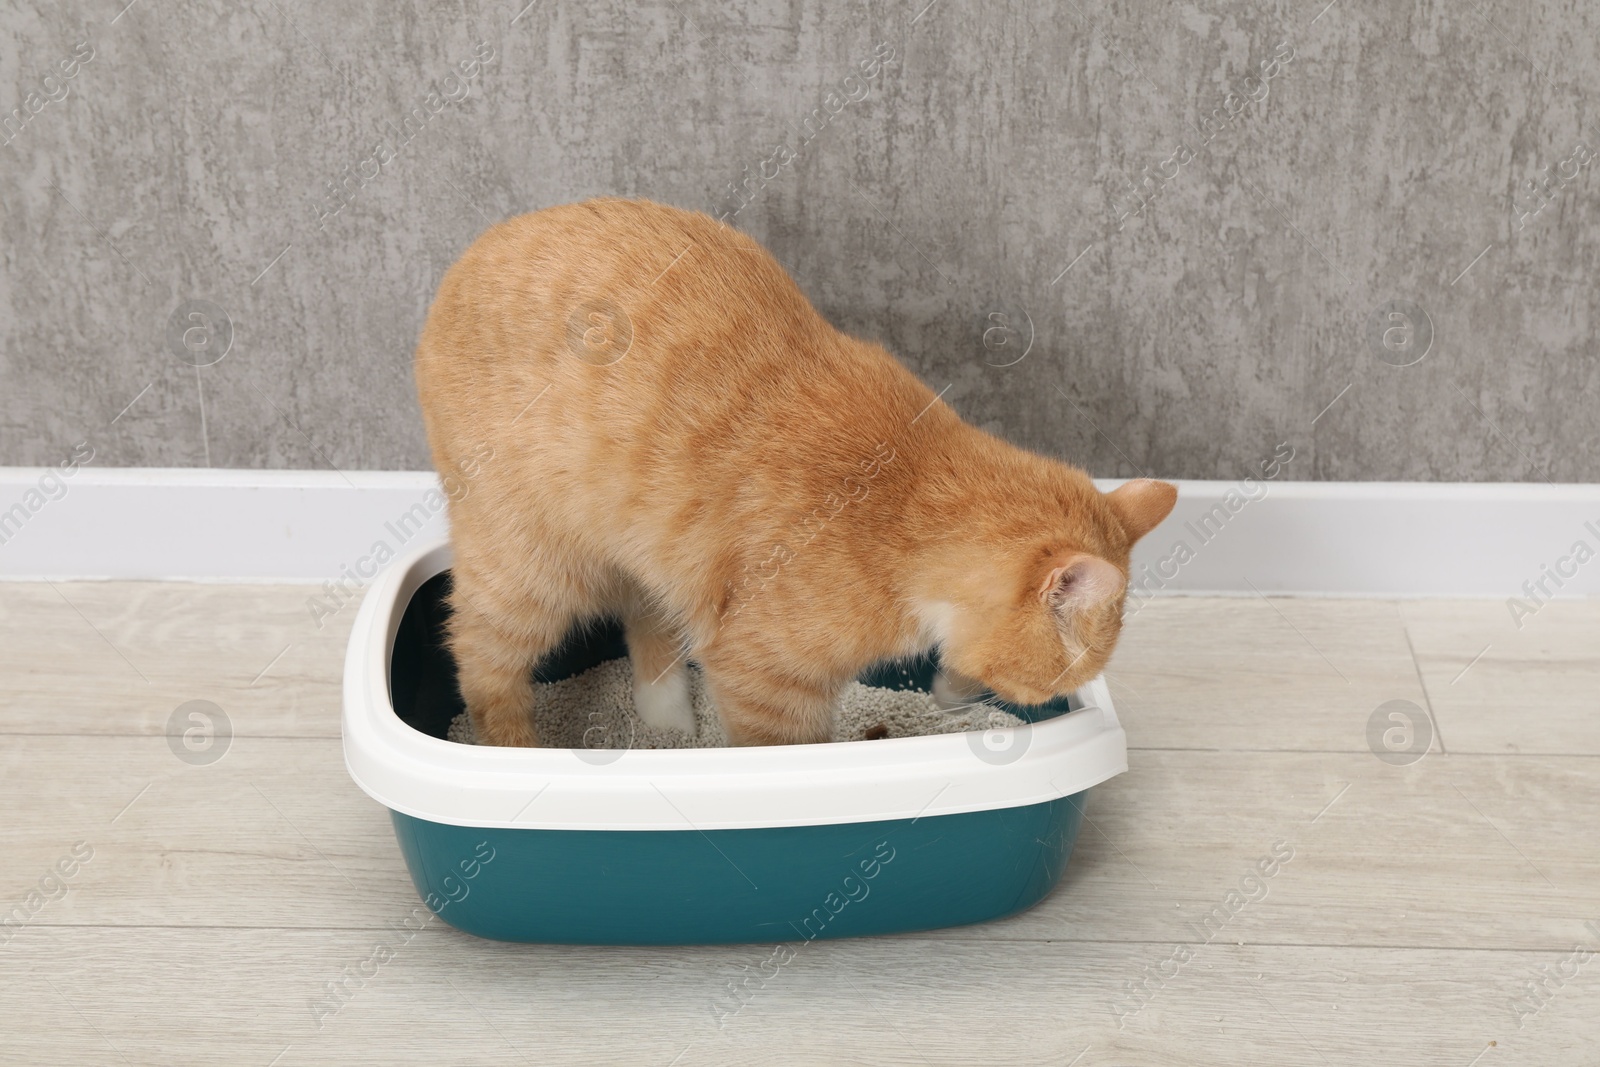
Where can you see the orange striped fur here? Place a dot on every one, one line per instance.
(676, 437)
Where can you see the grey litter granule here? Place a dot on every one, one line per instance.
(595, 710)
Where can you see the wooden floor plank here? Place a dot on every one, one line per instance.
(1498, 687)
(120, 657)
(1424, 896)
(263, 997)
(1251, 673)
(1451, 852)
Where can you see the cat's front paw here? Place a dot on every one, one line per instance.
(665, 704)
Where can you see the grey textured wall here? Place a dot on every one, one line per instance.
(971, 204)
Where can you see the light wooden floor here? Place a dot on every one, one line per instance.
(1419, 902)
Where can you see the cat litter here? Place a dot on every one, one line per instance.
(614, 833)
(595, 710)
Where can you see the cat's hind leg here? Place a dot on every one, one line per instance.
(758, 707)
(658, 654)
(496, 641)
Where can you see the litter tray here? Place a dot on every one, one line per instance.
(679, 846)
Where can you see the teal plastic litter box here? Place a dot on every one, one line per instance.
(792, 842)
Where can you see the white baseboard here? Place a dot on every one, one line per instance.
(211, 524)
(1380, 539)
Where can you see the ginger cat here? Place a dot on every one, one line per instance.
(679, 439)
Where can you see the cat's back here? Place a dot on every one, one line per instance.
(653, 269)
(654, 392)
(618, 305)
(610, 298)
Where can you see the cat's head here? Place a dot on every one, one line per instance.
(1040, 613)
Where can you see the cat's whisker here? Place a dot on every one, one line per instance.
(955, 708)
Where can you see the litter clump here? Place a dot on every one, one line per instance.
(595, 710)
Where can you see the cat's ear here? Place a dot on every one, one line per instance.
(1079, 582)
(1141, 504)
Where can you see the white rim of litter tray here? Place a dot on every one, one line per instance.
(696, 789)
